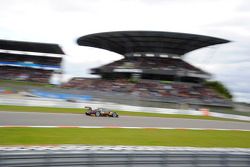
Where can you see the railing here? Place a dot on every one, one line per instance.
(130, 156)
(47, 102)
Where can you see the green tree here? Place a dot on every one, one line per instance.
(220, 88)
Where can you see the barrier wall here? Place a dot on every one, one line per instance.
(47, 102)
(123, 156)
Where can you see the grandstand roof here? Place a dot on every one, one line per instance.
(124, 42)
(30, 47)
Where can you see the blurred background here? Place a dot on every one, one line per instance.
(176, 72)
(70, 69)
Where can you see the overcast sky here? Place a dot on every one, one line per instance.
(63, 21)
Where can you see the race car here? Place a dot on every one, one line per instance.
(100, 112)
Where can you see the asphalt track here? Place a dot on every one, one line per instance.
(60, 119)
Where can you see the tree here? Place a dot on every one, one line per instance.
(220, 88)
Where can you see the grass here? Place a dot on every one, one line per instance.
(145, 137)
(121, 113)
(22, 83)
(41, 109)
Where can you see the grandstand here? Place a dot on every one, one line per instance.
(29, 61)
(152, 69)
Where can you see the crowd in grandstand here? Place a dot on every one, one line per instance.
(152, 63)
(32, 59)
(25, 74)
(147, 88)
(27, 67)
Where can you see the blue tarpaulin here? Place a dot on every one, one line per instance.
(32, 65)
(60, 95)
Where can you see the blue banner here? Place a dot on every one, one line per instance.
(60, 95)
(32, 65)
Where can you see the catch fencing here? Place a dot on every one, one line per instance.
(48, 102)
(125, 156)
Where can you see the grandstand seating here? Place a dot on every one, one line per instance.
(150, 59)
(151, 63)
(29, 61)
(147, 88)
(27, 58)
(156, 68)
(27, 67)
(25, 74)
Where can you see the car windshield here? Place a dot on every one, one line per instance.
(102, 109)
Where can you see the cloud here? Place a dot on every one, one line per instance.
(63, 21)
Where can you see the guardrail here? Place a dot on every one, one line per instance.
(46, 102)
(124, 156)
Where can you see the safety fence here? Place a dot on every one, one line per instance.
(47, 102)
(123, 156)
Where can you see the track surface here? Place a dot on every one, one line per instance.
(59, 119)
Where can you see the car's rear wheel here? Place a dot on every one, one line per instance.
(97, 114)
(114, 115)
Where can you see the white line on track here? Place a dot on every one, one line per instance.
(119, 148)
(121, 127)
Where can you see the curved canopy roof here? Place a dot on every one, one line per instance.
(30, 47)
(124, 42)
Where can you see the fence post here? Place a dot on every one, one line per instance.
(92, 161)
(47, 158)
(164, 159)
(223, 159)
(0, 160)
(248, 160)
(195, 158)
(130, 160)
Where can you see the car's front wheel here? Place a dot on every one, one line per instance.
(97, 114)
